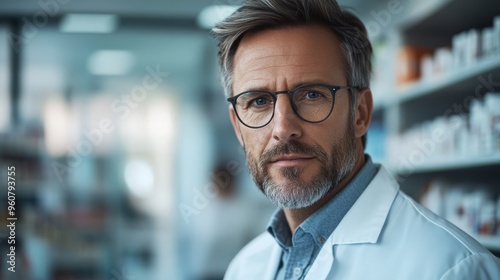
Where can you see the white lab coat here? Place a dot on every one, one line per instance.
(385, 235)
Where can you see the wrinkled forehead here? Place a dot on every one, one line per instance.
(301, 53)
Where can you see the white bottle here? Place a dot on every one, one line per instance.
(492, 104)
(496, 36)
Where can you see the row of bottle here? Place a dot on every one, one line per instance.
(469, 206)
(415, 63)
(463, 135)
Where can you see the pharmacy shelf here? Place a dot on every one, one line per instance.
(433, 24)
(433, 21)
(10, 153)
(465, 79)
(414, 13)
(456, 163)
(76, 259)
(490, 242)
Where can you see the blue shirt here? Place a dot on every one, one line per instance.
(300, 250)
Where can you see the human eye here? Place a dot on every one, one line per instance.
(311, 94)
(259, 101)
(256, 100)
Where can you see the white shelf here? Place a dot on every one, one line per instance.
(490, 242)
(414, 13)
(76, 259)
(450, 164)
(466, 78)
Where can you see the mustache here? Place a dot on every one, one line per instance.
(292, 147)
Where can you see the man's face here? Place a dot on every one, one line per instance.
(295, 163)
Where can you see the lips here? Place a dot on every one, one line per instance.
(291, 158)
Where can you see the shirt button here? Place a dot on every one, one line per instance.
(297, 271)
(321, 239)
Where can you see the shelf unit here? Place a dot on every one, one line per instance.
(85, 249)
(461, 80)
(490, 242)
(454, 164)
(433, 23)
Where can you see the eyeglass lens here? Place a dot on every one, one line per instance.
(312, 103)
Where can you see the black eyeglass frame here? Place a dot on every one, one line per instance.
(333, 89)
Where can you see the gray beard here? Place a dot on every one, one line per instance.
(296, 193)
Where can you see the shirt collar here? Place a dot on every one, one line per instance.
(321, 224)
(279, 229)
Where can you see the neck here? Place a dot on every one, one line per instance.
(295, 217)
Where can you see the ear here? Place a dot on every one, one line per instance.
(364, 110)
(236, 124)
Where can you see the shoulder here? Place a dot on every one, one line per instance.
(409, 221)
(476, 266)
(415, 237)
(432, 227)
(454, 253)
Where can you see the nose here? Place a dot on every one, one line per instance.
(286, 124)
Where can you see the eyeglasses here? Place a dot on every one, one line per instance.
(311, 102)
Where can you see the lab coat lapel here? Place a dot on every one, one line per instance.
(273, 264)
(322, 264)
(363, 223)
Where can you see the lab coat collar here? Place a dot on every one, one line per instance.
(365, 220)
(362, 224)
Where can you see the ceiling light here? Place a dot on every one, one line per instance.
(88, 23)
(110, 62)
(210, 15)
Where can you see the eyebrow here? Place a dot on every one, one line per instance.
(307, 82)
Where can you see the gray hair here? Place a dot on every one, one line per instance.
(257, 15)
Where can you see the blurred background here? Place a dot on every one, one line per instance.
(126, 165)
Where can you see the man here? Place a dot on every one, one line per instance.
(296, 74)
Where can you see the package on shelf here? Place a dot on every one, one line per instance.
(458, 146)
(488, 45)
(492, 102)
(478, 128)
(453, 206)
(434, 197)
(427, 68)
(479, 210)
(458, 43)
(434, 67)
(444, 61)
(468, 206)
(496, 35)
(487, 218)
(431, 140)
(382, 80)
(408, 63)
(456, 136)
(472, 50)
(467, 48)
(485, 124)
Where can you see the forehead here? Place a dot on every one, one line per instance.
(290, 55)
